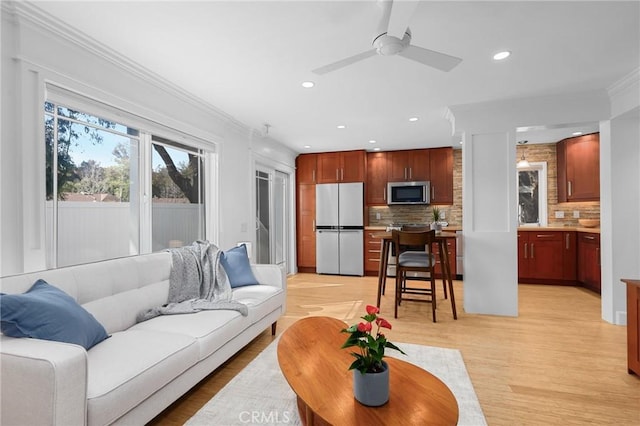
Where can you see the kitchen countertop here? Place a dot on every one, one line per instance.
(384, 228)
(559, 228)
(521, 228)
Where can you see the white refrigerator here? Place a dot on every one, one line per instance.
(340, 228)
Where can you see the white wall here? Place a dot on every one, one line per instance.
(35, 51)
(620, 196)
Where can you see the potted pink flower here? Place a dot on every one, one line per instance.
(371, 380)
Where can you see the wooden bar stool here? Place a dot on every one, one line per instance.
(414, 261)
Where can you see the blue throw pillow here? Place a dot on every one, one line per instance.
(236, 264)
(46, 312)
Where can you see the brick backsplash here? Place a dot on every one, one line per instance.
(453, 213)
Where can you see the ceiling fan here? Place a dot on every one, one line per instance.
(394, 38)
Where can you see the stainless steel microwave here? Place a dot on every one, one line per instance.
(408, 192)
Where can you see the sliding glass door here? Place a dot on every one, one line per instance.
(272, 219)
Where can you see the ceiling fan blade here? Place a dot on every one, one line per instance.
(431, 58)
(344, 62)
(401, 13)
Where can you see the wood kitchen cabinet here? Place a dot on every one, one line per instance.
(372, 249)
(633, 325)
(339, 167)
(441, 175)
(409, 165)
(306, 168)
(376, 183)
(579, 168)
(306, 228)
(589, 260)
(540, 257)
(570, 256)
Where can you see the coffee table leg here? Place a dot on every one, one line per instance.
(306, 415)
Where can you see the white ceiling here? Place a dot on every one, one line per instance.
(249, 58)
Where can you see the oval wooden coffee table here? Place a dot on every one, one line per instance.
(311, 360)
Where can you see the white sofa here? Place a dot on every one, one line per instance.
(142, 368)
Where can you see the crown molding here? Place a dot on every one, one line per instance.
(629, 81)
(28, 13)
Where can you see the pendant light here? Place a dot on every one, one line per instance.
(523, 163)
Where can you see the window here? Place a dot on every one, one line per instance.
(97, 177)
(89, 184)
(532, 195)
(177, 190)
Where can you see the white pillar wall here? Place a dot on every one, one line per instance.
(620, 215)
(620, 196)
(489, 224)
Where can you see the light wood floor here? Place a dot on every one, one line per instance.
(557, 363)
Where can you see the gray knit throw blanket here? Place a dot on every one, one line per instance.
(197, 282)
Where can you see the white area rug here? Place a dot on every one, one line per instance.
(259, 394)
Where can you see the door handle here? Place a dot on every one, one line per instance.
(566, 239)
(433, 193)
(410, 172)
(569, 190)
(405, 173)
(341, 174)
(313, 175)
(533, 253)
(526, 254)
(384, 194)
(313, 225)
(337, 178)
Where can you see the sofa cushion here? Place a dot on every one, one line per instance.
(261, 299)
(237, 266)
(211, 329)
(46, 312)
(132, 365)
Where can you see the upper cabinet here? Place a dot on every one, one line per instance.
(441, 175)
(579, 168)
(376, 178)
(338, 167)
(411, 165)
(306, 168)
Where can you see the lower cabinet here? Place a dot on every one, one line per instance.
(372, 249)
(540, 255)
(589, 260)
(559, 258)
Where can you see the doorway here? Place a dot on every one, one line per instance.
(272, 218)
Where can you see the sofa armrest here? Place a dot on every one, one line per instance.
(272, 275)
(43, 382)
(275, 276)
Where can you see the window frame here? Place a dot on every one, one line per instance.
(147, 129)
(541, 168)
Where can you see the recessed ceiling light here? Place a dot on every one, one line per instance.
(372, 141)
(308, 84)
(341, 126)
(376, 149)
(413, 119)
(502, 55)
(307, 146)
(576, 133)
